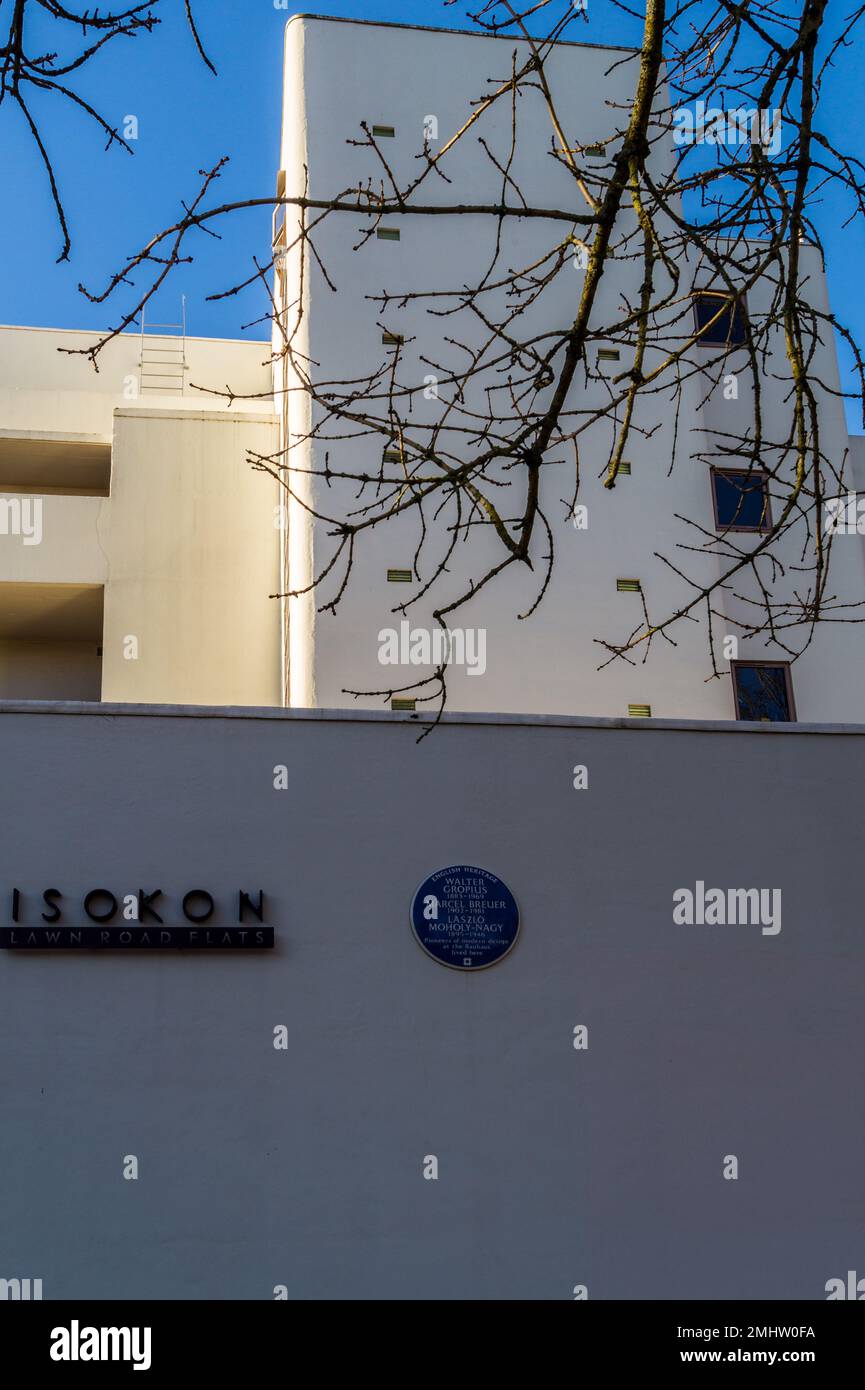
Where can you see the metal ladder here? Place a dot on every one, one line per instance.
(162, 361)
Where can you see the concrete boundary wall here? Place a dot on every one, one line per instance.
(600, 1166)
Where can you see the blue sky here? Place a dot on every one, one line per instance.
(188, 119)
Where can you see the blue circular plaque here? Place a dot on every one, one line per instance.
(465, 917)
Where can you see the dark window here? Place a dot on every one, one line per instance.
(764, 692)
(741, 500)
(720, 320)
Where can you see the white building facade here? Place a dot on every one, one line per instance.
(403, 83)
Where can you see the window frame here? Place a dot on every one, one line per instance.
(788, 683)
(714, 471)
(737, 304)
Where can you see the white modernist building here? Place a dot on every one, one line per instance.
(160, 546)
(137, 549)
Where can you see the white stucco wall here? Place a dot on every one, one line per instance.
(192, 554)
(305, 1167)
(47, 382)
(397, 76)
(184, 545)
